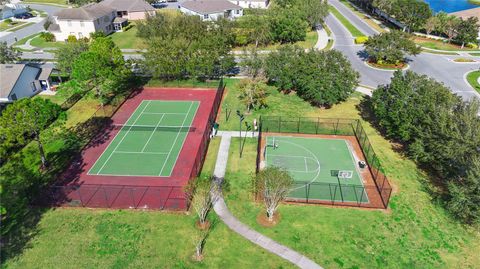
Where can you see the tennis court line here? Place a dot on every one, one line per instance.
(111, 154)
(153, 132)
(160, 113)
(129, 118)
(135, 152)
(176, 138)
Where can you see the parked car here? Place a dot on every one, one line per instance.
(24, 16)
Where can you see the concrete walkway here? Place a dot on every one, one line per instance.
(322, 39)
(233, 223)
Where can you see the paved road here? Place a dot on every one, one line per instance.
(439, 67)
(30, 30)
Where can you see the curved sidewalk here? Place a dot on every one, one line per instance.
(233, 223)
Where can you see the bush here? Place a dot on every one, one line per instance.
(472, 46)
(71, 39)
(361, 39)
(9, 21)
(128, 27)
(47, 36)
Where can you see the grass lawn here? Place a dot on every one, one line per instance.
(6, 26)
(82, 238)
(41, 43)
(57, 98)
(472, 78)
(128, 39)
(475, 53)
(56, 2)
(414, 232)
(438, 45)
(193, 83)
(350, 27)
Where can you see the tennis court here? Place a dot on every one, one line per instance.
(323, 169)
(150, 141)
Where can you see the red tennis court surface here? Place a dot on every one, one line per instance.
(83, 189)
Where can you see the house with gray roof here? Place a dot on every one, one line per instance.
(82, 21)
(22, 81)
(131, 9)
(211, 9)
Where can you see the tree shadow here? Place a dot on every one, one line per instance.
(363, 55)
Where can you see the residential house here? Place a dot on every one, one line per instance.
(21, 81)
(131, 9)
(465, 14)
(251, 3)
(10, 10)
(212, 9)
(82, 21)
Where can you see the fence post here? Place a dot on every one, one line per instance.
(316, 127)
(298, 125)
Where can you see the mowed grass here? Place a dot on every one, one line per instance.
(289, 105)
(472, 78)
(350, 27)
(309, 42)
(83, 238)
(39, 42)
(56, 2)
(128, 39)
(439, 45)
(415, 232)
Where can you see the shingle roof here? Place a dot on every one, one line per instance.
(128, 5)
(465, 14)
(209, 6)
(87, 12)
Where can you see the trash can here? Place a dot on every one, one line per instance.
(362, 164)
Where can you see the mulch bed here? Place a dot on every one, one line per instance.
(262, 219)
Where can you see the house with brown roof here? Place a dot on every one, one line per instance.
(22, 81)
(82, 21)
(210, 10)
(131, 9)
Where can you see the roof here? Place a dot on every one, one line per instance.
(87, 12)
(465, 14)
(128, 5)
(10, 73)
(209, 6)
(120, 20)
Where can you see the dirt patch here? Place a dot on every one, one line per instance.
(262, 219)
(203, 226)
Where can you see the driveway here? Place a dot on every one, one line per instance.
(32, 29)
(439, 67)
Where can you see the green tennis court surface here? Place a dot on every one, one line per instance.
(149, 143)
(315, 163)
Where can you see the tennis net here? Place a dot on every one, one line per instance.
(150, 128)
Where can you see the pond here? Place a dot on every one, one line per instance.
(450, 5)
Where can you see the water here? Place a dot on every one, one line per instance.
(450, 5)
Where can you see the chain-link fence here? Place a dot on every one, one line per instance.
(324, 192)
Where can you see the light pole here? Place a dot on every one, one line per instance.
(241, 118)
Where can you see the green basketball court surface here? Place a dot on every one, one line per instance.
(149, 142)
(314, 164)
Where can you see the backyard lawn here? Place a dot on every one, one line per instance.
(473, 78)
(415, 232)
(128, 39)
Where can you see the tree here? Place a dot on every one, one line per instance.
(287, 25)
(467, 31)
(200, 238)
(8, 54)
(413, 13)
(273, 184)
(322, 78)
(47, 23)
(26, 118)
(464, 194)
(185, 46)
(203, 193)
(253, 94)
(66, 55)
(390, 47)
(256, 29)
(431, 24)
(314, 11)
(451, 26)
(252, 63)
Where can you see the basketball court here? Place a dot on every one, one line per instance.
(323, 169)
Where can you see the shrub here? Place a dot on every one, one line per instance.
(128, 27)
(47, 36)
(71, 39)
(361, 39)
(9, 21)
(472, 46)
